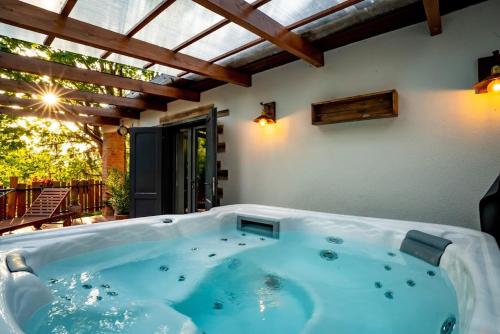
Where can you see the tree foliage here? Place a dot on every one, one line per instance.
(43, 148)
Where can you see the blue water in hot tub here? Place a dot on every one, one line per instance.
(233, 282)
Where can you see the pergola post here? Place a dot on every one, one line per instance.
(113, 156)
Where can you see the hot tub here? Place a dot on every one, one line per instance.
(249, 269)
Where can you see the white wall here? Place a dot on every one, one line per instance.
(432, 163)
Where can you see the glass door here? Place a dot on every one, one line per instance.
(195, 156)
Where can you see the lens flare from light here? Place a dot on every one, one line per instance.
(263, 122)
(50, 99)
(495, 87)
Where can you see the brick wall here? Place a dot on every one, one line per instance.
(113, 156)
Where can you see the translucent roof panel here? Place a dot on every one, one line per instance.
(179, 22)
(52, 5)
(76, 48)
(25, 35)
(164, 69)
(126, 60)
(225, 39)
(287, 12)
(116, 15)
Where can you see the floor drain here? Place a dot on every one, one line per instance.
(87, 286)
(163, 268)
(378, 285)
(389, 295)
(387, 267)
(328, 255)
(181, 278)
(391, 254)
(112, 293)
(431, 273)
(448, 325)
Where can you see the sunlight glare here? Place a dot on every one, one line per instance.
(50, 98)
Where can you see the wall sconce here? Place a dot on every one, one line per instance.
(268, 114)
(488, 74)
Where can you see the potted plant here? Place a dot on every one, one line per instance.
(107, 210)
(117, 184)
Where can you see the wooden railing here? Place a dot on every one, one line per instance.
(17, 197)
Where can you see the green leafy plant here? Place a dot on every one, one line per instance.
(117, 184)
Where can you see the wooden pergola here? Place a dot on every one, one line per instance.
(293, 46)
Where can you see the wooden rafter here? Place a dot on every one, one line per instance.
(38, 105)
(65, 11)
(18, 86)
(96, 120)
(142, 23)
(60, 71)
(400, 18)
(208, 31)
(295, 25)
(26, 16)
(243, 14)
(433, 15)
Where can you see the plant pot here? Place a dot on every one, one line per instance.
(121, 217)
(107, 211)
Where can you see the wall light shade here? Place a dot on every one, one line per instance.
(488, 74)
(268, 114)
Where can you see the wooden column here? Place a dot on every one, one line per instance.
(11, 198)
(21, 200)
(90, 194)
(74, 190)
(2, 205)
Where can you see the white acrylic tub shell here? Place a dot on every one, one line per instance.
(472, 261)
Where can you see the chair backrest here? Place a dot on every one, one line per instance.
(47, 202)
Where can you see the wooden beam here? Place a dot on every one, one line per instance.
(60, 71)
(145, 20)
(295, 25)
(39, 105)
(394, 20)
(208, 31)
(96, 120)
(19, 86)
(243, 14)
(66, 9)
(26, 16)
(192, 114)
(433, 15)
(211, 29)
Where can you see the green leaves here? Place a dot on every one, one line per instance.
(117, 184)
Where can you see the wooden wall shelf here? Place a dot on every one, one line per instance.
(356, 108)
